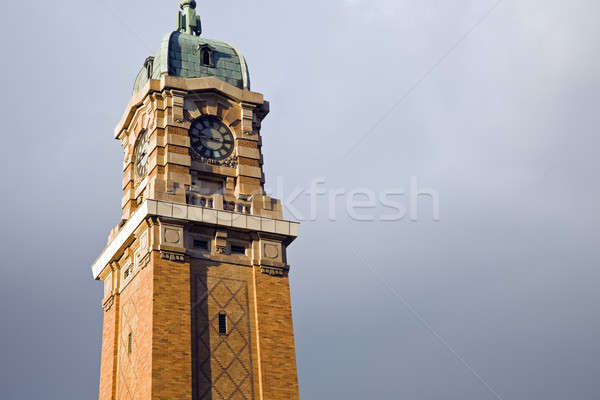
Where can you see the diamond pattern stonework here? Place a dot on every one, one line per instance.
(224, 360)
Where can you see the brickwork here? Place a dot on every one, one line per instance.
(223, 365)
(109, 351)
(171, 311)
(171, 331)
(277, 348)
(135, 334)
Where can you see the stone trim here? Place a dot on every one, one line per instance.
(188, 85)
(108, 303)
(172, 256)
(275, 271)
(178, 211)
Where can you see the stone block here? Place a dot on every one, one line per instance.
(253, 222)
(253, 172)
(178, 140)
(180, 211)
(224, 218)
(239, 221)
(209, 216)
(179, 159)
(294, 229)
(171, 236)
(248, 152)
(165, 209)
(195, 213)
(268, 225)
(282, 227)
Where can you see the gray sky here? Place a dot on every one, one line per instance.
(505, 129)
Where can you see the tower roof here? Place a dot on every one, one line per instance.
(183, 53)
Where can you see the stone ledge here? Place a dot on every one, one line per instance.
(189, 213)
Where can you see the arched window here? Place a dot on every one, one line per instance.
(206, 56)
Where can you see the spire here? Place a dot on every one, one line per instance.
(189, 22)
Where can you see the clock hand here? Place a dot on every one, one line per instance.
(213, 140)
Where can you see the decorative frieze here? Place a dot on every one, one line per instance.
(275, 271)
(172, 256)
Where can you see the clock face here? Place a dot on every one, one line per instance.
(211, 138)
(142, 154)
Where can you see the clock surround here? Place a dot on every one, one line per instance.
(142, 155)
(211, 138)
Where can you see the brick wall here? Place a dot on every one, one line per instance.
(277, 348)
(107, 366)
(171, 330)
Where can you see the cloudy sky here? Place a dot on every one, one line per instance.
(494, 105)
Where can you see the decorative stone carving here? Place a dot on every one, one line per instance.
(221, 250)
(108, 303)
(271, 253)
(171, 242)
(271, 250)
(230, 162)
(171, 236)
(275, 271)
(191, 109)
(172, 256)
(221, 242)
(109, 284)
(143, 261)
(142, 253)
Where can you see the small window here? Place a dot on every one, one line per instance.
(127, 273)
(206, 57)
(130, 343)
(201, 244)
(238, 249)
(149, 65)
(222, 323)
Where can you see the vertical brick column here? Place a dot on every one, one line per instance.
(277, 348)
(110, 328)
(171, 325)
(108, 365)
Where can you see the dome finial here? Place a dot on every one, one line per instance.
(189, 22)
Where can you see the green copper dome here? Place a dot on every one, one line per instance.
(183, 54)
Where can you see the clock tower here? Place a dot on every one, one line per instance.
(196, 294)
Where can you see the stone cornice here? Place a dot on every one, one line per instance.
(187, 213)
(189, 85)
